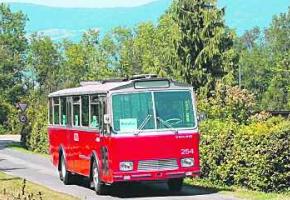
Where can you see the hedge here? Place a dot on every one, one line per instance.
(255, 156)
(35, 133)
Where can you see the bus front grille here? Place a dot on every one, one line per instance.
(163, 164)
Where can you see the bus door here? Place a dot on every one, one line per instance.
(68, 133)
(105, 138)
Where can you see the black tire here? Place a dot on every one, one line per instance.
(98, 185)
(64, 175)
(175, 185)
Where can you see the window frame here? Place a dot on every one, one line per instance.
(53, 109)
(154, 109)
(90, 110)
(80, 110)
(60, 104)
(70, 110)
(50, 111)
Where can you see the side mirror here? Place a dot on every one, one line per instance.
(107, 119)
(201, 117)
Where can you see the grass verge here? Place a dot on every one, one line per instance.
(237, 192)
(18, 147)
(17, 188)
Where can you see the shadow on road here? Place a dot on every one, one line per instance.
(4, 143)
(138, 190)
(10, 169)
(10, 179)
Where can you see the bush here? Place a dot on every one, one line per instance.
(255, 156)
(262, 155)
(228, 103)
(216, 149)
(9, 122)
(35, 133)
(38, 139)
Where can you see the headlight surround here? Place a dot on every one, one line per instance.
(187, 162)
(126, 166)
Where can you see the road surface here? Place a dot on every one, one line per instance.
(39, 169)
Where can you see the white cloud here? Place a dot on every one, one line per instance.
(84, 3)
(59, 34)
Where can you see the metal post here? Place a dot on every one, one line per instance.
(240, 77)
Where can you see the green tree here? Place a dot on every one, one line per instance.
(44, 62)
(267, 56)
(206, 45)
(13, 45)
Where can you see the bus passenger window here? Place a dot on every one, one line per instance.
(85, 110)
(56, 115)
(94, 117)
(76, 111)
(63, 111)
(50, 110)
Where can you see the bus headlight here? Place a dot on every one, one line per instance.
(187, 162)
(126, 166)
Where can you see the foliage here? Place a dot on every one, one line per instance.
(13, 44)
(255, 156)
(35, 133)
(267, 56)
(228, 103)
(43, 63)
(206, 46)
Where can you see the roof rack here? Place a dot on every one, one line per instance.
(113, 80)
(142, 76)
(86, 83)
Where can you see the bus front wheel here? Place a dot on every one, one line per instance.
(100, 188)
(175, 185)
(64, 175)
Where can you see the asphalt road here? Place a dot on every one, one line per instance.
(39, 170)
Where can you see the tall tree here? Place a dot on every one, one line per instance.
(267, 55)
(206, 45)
(44, 62)
(12, 53)
(12, 48)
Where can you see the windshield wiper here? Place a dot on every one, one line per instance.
(168, 125)
(143, 124)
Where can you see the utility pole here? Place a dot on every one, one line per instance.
(240, 77)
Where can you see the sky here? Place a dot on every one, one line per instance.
(84, 3)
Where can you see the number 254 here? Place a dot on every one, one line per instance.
(186, 151)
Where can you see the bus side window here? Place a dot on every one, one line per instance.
(50, 111)
(102, 111)
(85, 110)
(94, 114)
(63, 114)
(69, 110)
(76, 111)
(56, 111)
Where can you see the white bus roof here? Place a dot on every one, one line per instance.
(110, 85)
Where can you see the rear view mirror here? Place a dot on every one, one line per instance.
(201, 117)
(107, 119)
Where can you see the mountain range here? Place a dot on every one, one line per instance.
(70, 23)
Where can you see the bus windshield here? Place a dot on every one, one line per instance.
(152, 110)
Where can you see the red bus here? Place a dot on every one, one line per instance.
(139, 129)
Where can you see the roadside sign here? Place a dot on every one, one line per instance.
(22, 106)
(23, 119)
